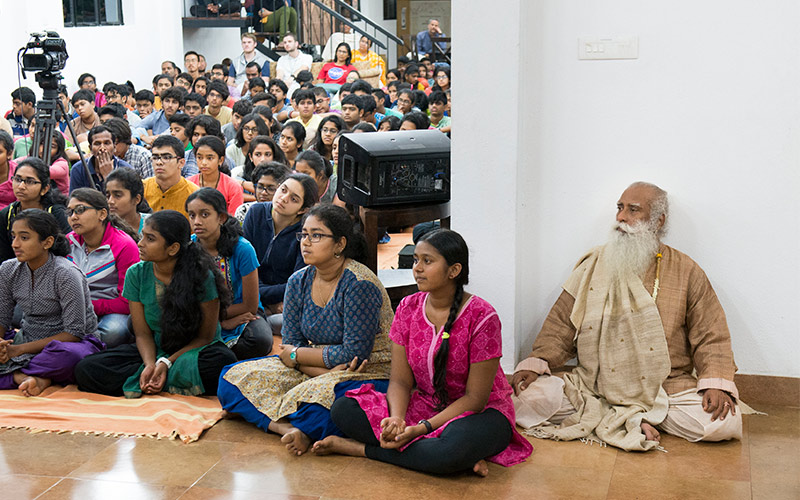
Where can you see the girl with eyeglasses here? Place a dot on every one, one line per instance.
(329, 128)
(176, 295)
(271, 228)
(448, 407)
(103, 246)
(210, 154)
(32, 189)
(252, 126)
(59, 327)
(262, 149)
(125, 194)
(244, 328)
(268, 176)
(336, 318)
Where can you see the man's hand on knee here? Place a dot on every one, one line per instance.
(522, 379)
(718, 403)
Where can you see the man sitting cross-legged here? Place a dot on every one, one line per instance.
(653, 346)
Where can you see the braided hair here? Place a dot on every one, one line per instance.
(454, 249)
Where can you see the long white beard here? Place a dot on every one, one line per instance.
(631, 248)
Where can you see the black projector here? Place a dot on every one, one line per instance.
(387, 168)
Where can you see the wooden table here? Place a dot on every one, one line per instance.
(398, 215)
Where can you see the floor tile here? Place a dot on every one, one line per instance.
(151, 461)
(690, 460)
(23, 486)
(533, 481)
(369, 479)
(196, 493)
(572, 454)
(85, 489)
(778, 422)
(657, 486)
(51, 454)
(248, 467)
(237, 430)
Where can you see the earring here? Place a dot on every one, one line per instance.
(337, 255)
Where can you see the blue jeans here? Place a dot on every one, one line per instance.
(113, 330)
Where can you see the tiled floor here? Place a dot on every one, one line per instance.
(236, 460)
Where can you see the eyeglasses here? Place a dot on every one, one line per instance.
(322, 100)
(404, 101)
(327, 130)
(250, 130)
(442, 77)
(79, 210)
(313, 237)
(29, 181)
(267, 189)
(163, 158)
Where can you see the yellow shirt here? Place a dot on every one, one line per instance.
(173, 198)
(224, 117)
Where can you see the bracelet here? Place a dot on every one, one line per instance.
(166, 361)
(428, 426)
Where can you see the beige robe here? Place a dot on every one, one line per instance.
(694, 325)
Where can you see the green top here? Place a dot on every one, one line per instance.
(141, 285)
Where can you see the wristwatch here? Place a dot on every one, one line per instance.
(428, 426)
(293, 355)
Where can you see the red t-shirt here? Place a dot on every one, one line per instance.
(335, 73)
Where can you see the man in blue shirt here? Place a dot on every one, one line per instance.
(102, 142)
(424, 42)
(157, 123)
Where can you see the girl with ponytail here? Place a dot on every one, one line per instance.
(103, 247)
(54, 297)
(244, 328)
(176, 297)
(461, 414)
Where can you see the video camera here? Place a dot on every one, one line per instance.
(46, 52)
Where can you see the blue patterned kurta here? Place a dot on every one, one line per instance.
(355, 322)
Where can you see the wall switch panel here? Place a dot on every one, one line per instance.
(618, 47)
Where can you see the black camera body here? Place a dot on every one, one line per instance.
(46, 52)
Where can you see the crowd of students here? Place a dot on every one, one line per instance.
(201, 224)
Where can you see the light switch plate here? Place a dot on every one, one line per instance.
(617, 47)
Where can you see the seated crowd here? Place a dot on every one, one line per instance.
(203, 220)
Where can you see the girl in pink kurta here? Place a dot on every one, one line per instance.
(449, 405)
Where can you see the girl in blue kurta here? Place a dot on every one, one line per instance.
(337, 317)
(244, 329)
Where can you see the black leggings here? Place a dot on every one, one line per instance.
(255, 341)
(106, 372)
(459, 447)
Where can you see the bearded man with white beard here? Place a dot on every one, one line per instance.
(651, 340)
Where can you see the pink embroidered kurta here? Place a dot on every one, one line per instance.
(474, 337)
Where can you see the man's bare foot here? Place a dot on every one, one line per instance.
(33, 386)
(296, 441)
(340, 445)
(650, 432)
(481, 468)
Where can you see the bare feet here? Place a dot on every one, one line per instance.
(481, 468)
(650, 432)
(33, 386)
(340, 445)
(296, 441)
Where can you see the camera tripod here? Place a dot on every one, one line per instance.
(46, 123)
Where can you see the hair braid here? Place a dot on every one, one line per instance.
(440, 360)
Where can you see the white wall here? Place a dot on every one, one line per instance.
(133, 51)
(709, 111)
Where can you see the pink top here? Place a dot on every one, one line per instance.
(7, 196)
(234, 196)
(474, 337)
